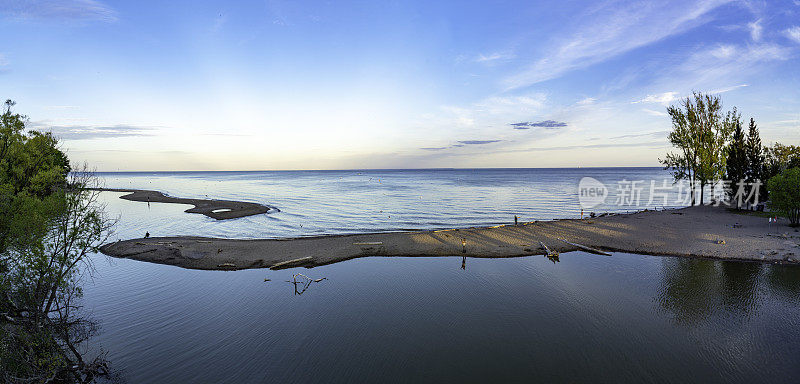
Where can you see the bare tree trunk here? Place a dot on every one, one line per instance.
(702, 190)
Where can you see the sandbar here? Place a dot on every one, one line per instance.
(701, 231)
(215, 209)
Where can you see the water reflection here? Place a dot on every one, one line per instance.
(784, 281)
(301, 282)
(693, 290)
(388, 318)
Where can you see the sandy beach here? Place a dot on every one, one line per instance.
(215, 209)
(710, 232)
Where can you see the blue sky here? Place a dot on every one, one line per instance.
(258, 85)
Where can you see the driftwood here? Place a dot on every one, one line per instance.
(293, 262)
(551, 255)
(587, 249)
(303, 285)
(549, 252)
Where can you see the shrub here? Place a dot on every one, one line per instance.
(784, 194)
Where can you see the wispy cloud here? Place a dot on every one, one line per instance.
(460, 144)
(549, 124)
(659, 98)
(728, 62)
(652, 112)
(70, 10)
(793, 34)
(651, 144)
(613, 30)
(634, 135)
(85, 132)
(756, 30)
(494, 57)
(434, 148)
(477, 142)
(668, 97)
(728, 89)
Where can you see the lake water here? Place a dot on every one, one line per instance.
(335, 202)
(626, 318)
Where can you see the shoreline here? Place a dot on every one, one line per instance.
(700, 231)
(215, 209)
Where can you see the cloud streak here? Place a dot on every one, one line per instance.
(613, 30)
(67, 10)
(477, 142)
(84, 132)
(793, 34)
(548, 124)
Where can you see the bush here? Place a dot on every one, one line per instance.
(784, 194)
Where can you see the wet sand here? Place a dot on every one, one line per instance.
(711, 232)
(215, 209)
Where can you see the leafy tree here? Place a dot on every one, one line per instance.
(49, 223)
(736, 163)
(784, 192)
(701, 134)
(780, 157)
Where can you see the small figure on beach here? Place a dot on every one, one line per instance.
(146, 235)
(516, 220)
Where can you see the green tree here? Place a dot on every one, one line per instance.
(755, 160)
(736, 163)
(50, 223)
(683, 164)
(784, 194)
(701, 134)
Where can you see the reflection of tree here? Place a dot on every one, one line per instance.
(739, 285)
(784, 280)
(692, 289)
(687, 288)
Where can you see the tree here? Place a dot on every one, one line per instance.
(755, 159)
(780, 157)
(49, 225)
(701, 134)
(736, 163)
(784, 192)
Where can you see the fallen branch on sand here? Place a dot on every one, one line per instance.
(291, 263)
(587, 249)
(551, 255)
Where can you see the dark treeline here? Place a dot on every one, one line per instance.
(49, 224)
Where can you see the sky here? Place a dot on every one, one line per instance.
(270, 85)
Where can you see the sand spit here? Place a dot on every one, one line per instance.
(712, 232)
(216, 209)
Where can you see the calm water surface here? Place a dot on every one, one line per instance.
(334, 202)
(626, 318)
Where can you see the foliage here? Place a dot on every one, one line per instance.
(784, 192)
(736, 163)
(780, 157)
(50, 223)
(701, 134)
